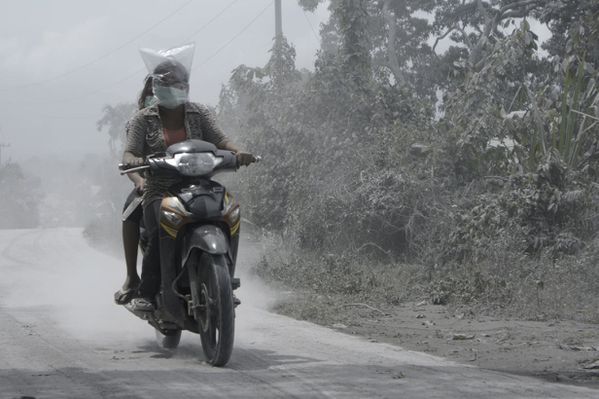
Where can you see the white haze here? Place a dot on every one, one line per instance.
(57, 272)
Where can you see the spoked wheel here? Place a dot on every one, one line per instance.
(170, 340)
(213, 307)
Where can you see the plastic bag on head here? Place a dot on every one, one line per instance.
(182, 55)
(169, 70)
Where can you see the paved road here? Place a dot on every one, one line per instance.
(61, 337)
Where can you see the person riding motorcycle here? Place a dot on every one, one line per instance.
(132, 220)
(153, 129)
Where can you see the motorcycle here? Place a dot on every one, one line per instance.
(199, 238)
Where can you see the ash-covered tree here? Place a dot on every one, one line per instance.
(529, 121)
(362, 159)
(114, 120)
(359, 139)
(20, 198)
(106, 203)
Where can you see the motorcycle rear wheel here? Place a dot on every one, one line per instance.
(215, 315)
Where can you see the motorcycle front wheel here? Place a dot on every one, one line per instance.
(170, 340)
(214, 312)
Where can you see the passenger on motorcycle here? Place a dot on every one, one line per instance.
(132, 217)
(151, 130)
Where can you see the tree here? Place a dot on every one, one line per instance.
(20, 198)
(115, 119)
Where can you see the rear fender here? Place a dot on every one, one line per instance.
(207, 238)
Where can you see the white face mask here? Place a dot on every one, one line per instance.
(150, 101)
(170, 97)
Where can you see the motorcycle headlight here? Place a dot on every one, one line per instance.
(195, 164)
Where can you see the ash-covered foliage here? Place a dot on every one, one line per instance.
(477, 162)
(107, 199)
(21, 196)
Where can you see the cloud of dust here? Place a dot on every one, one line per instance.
(57, 270)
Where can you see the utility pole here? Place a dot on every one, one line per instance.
(278, 69)
(278, 20)
(2, 145)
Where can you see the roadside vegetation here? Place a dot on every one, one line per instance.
(104, 228)
(438, 151)
(20, 195)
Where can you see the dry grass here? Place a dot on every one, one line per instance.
(531, 288)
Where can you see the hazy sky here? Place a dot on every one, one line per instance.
(63, 60)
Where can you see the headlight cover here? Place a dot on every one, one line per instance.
(196, 164)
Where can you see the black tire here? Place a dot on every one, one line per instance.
(211, 284)
(170, 340)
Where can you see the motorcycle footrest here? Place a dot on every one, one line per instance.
(235, 283)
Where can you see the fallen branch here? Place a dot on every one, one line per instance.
(371, 244)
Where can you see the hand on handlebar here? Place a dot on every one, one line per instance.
(245, 158)
(133, 162)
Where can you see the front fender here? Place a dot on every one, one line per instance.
(207, 238)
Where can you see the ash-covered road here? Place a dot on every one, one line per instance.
(62, 337)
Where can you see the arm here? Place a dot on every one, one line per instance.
(211, 132)
(134, 150)
(229, 146)
(138, 181)
(243, 158)
(215, 135)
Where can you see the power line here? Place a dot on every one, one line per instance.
(311, 26)
(101, 89)
(224, 46)
(196, 32)
(68, 117)
(211, 20)
(137, 71)
(85, 95)
(80, 67)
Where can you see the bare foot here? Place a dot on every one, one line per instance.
(131, 283)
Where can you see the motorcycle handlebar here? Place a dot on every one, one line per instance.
(126, 168)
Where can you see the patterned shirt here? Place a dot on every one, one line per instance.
(145, 137)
